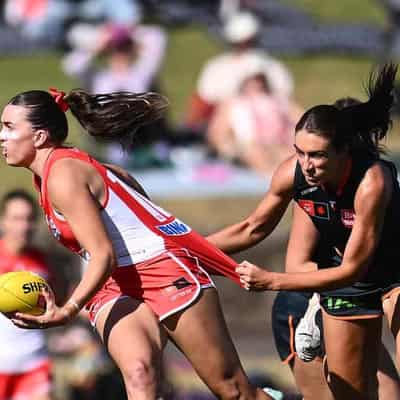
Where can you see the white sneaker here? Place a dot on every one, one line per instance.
(307, 337)
(275, 394)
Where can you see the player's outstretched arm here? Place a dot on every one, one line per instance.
(370, 203)
(262, 221)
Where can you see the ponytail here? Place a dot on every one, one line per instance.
(112, 116)
(360, 126)
(115, 116)
(368, 123)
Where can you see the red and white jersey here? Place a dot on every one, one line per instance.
(139, 229)
(21, 349)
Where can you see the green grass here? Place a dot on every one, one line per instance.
(188, 50)
(323, 79)
(26, 73)
(343, 10)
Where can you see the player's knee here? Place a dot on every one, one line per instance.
(139, 375)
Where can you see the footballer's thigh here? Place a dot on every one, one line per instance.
(200, 332)
(133, 336)
(310, 379)
(391, 308)
(352, 346)
(388, 377)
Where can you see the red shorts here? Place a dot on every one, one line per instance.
(167, 284)
(26, 385)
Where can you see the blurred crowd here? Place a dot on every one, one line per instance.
(241, 112)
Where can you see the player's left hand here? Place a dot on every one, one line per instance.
(53, 316)
(253, 277)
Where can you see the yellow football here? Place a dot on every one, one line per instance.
(20, 292)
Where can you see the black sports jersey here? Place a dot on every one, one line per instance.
(333, 215)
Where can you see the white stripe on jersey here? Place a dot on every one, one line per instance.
(156, 211)
(132, 240)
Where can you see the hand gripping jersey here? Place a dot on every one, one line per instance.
(333, 215)
(139, 229)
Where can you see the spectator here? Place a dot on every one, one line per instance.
(133, 59)
(255, 126)
(133, 56)
(221, 76)
(24, 363)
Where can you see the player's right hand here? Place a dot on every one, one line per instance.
(53, 316)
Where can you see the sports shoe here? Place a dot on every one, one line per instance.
(307, 337)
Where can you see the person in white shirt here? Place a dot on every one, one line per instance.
(221, 76)
(254, 126)
(25, 367)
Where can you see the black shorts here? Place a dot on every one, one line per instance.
(360, 300)
(287, 310)
(352, 302)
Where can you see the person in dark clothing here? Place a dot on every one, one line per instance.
(346, 197)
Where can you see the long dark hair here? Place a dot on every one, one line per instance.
(360, 126)
(43, 113)
(112, 116)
